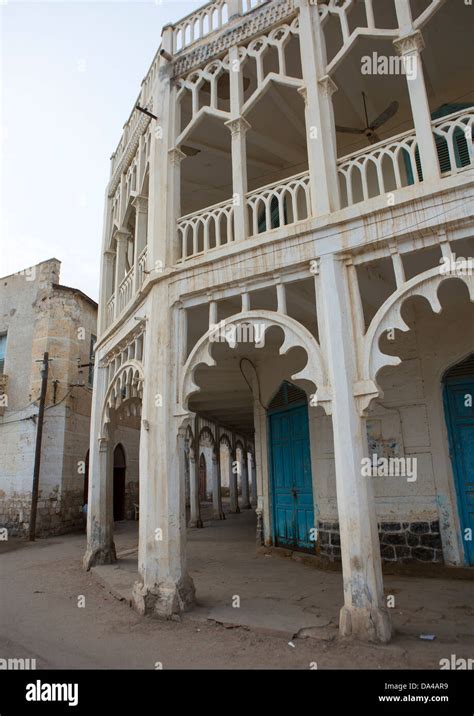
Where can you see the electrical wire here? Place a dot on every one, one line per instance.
(257, 378)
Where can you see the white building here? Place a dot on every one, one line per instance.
(282, 274)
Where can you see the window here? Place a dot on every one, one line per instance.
(3, 346)
(91, 359)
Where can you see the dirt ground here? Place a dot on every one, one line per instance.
(287, 616)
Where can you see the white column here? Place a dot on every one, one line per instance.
(281, 298)
(195, 504)
(100, 525)
(141, 220)
(121, 238)
(253, 482)
(245, 482)
(410, 45)
(216, 486)
(233, 489)
(164, 587)
(364, 614)
(320, 129)
(238, 127)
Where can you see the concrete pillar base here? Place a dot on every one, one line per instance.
(365, 624)
(99, 555)
(218, 516)
(196, 523)
(247, 506)
(164, 600)
(234, 510)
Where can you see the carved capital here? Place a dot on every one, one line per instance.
(303, 91)
(140, 203)
(176, 156)
(328, 86)
(238, 126)
(410, 43)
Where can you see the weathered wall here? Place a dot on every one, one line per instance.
(40, 316)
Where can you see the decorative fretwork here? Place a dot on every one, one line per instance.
(279, 204)
(206, 229)
(257, 22)
(385, 166)
(203, 82)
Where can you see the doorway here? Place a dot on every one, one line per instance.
(290, 469)
(119, 483)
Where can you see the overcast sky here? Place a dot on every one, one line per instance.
(70, 74)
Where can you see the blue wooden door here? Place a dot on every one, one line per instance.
(292, 489)
(460, 421)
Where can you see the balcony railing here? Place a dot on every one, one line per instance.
(383, 167)
(110, 311)
(395, 163)
(142, 268)
(125, 291)
(210, 18)
(206, 229)
(453, 136)
(279, 204)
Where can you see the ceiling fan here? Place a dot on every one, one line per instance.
(369, 129)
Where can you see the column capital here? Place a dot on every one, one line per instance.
(303, 92)
(122, 235)
(140, 203)
(238, 126)
(328, 86)
(409, 44)
(176, 156)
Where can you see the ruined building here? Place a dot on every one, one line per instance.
(38, 315)
(286, 292)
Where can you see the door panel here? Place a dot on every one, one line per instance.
(292, 489)
(460, 421)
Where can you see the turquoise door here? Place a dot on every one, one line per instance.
(459, 398)
(291, 480)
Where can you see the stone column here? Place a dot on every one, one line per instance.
(410, 45)
(252, 480)
(176, 156)
(141, 220)
(233, 486)
(238, 127)
(100, 522)
(195, 504)
(164, 587)
(320, 126)
(121, 238)
(245, 482)
(364, 614)
(218, 512)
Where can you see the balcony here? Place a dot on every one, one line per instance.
(395, 163)
(128, 290)
(269, 207)
(384, 167)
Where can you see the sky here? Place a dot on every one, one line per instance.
(70, 73)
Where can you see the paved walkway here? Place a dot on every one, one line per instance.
(53, 611)
(278, 595)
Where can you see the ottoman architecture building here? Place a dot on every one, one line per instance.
(287, 292)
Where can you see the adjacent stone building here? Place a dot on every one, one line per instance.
(287, 287)
(38, 314)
